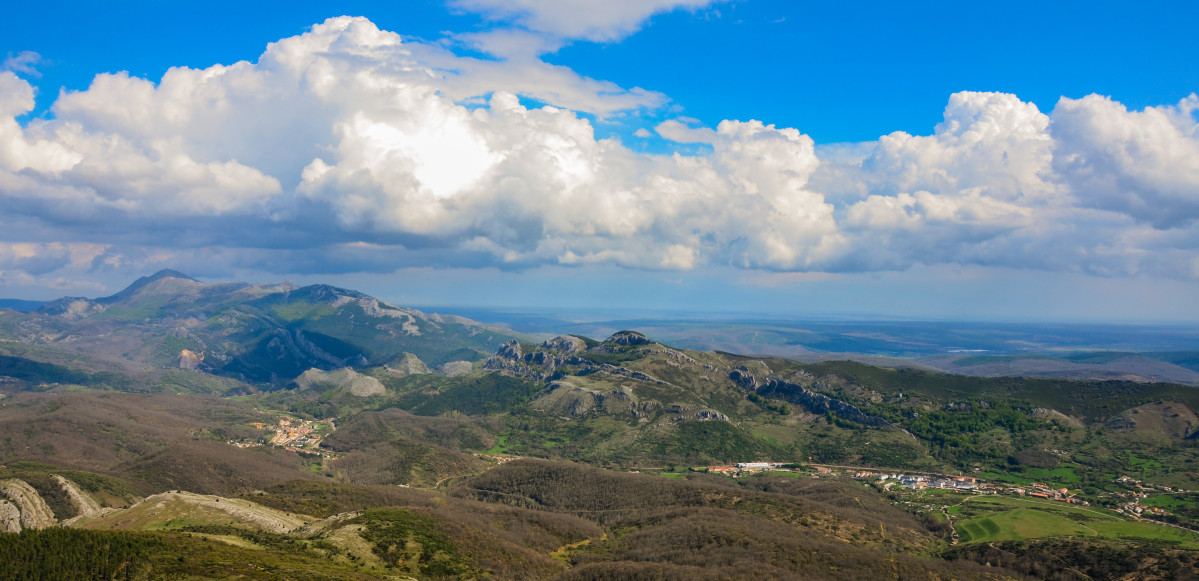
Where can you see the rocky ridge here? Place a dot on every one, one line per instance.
(817, 403)
(546, 360)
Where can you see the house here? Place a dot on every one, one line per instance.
(753, 465)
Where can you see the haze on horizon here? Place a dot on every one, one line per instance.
(685, 155)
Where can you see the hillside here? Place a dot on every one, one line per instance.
(258, 334)
(522, 520)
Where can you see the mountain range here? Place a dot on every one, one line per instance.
(258, 334)
(317, 432)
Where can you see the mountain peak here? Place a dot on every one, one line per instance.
(164, 273)
(146, 281)
(630, 338)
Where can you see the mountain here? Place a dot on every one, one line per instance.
(357, 439)
(261, 334)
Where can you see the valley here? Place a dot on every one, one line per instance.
(213, 430)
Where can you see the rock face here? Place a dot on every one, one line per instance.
(10, 517)
(34, 512)
(86, 506)
(294, 344)
(189, 359)
(817, 403)
(346, 378)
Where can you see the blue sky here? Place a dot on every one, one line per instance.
(838, 71)
(1025, 161)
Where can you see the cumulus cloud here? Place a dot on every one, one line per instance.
(1000, 183)
(1141, 163)
(348, 149)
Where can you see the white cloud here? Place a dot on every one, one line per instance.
(594, 20)
(1141, 163)
(347, 149)
(990, 141)
(679, 132)
(1000, 184)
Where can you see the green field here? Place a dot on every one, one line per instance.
(1021, 523)
(987, 519)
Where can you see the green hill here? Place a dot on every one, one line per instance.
(260, 334)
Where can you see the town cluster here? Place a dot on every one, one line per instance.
(294, 435)
(1137, 491)
(920, 482)
(910, 481)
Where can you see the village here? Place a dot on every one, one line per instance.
(1127, 503)
(294, 435)
(1137, 492)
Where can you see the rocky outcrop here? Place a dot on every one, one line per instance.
(538, 365)
(189, 359)
(704, 415)
(629, 339)
(10, 517)
(346, 378)
(543, 363)
(510, 350)
(817, 403)
(744, 379)
(34, 512)
(405, 365)
(565, 345)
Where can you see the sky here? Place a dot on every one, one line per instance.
(1023, 161)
